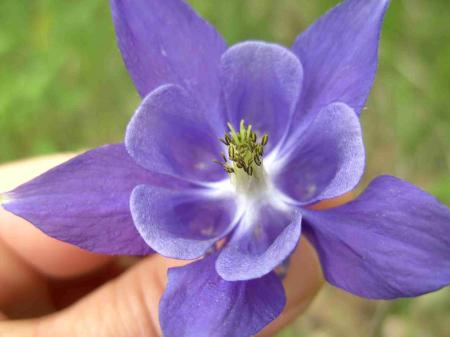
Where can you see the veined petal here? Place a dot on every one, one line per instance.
(167, 42)
(260, 243)
(182, 223)
(168, 134)
(339, 54)
(261, 84)
(240, 309)
(85, 201)
(393, 241)
(326, 161)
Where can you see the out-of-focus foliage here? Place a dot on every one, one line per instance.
(62, 82)
(338, 314)
(63, 87)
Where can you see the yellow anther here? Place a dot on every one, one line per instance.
(244, 153)
(264, 139)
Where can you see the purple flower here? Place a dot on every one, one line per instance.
(289, 135)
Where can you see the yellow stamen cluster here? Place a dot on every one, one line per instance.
(245, 152)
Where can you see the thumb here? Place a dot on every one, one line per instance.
(124, 307)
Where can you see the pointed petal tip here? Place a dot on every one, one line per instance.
(96, 218)
(4, 199)
(394, 237)
(375, 6)
(152, 34)
(340, 55)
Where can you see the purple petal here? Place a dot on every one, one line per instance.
(261, 84)
(327, 160)
(198, 303)
(168, 134)
(259, 244)
(393, 241)
(167, 42)
(339, 54)
(85, 201)
(181, 223)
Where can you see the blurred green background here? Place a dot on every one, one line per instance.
(63, 87)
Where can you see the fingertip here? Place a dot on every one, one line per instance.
(303, 282)
(48, 256)
(16, 173)
(304, 278)
(335, 202)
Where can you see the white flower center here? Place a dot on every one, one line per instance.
(244, 160)
(249, 180)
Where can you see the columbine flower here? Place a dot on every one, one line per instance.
(233, 145)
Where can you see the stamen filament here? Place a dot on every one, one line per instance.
(243, 150)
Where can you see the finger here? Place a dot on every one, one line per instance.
(39, 274)
(125, 307)
(23, 293)
(16, 173)
(25, 250)
(65, 292)
(47, 255)
(301, 287)
(302, 283)
(51, 257)
(128, 306)
(330, 203)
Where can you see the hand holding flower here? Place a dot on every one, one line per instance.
(92, 295)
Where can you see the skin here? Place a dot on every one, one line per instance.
(50, 288)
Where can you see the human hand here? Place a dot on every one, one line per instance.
(49, 288)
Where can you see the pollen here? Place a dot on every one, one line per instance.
(245, 151)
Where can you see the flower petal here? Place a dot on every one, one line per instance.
(168, 134)
(393, 241)
(198, 303)
(181, 223)
(167, 42)
(339, 54)
(327, 160)
(261, 84)
(85, 201)
(259, 244)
